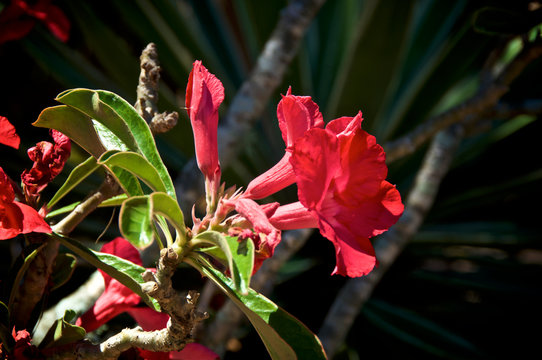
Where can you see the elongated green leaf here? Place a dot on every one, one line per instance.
(138, 166)
(62, 332)
(126, 272)
(114, 201)
(135, 221)
(123, 121)
(284, 336)
(74, 124)
(78, 174)
(243, 262)
(165, 205)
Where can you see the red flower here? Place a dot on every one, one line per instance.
(117, 299)
(204, 94)
(15, 217)
(48, 160)
(296, 115)
(19, 17)
(8, 136)
(340, 173)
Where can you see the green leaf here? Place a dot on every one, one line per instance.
(5, 328)
(284, 336)
(62, 332)
(165, 205)
(136, 165)
(108, 138)
(126, 272)
(122, 120)
(78, 174)
(237, 255)
(114, 201)
(135, 221)
(243, 261)
(62, 270)
(74, 124)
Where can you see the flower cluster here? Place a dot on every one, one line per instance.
(339, 170)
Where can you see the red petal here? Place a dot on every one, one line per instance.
(354, 254)
(363, 162)
(315, 160)
(296, 115)
(194, 351)
(8, 136)
(148, 318)
(17, 218)
(204, 94)
(7, 194)
(32, 220)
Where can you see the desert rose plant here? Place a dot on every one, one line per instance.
(338, 168)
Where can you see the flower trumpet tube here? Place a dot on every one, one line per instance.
(296, 115)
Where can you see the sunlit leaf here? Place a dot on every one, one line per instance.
(135, 221)
(74, 124)
(284, 336)
(122, 120)
(126, 272)
(136, 165)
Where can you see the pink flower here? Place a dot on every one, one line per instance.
(340, 173)
(296, 115)
(48, 160)
(204, 94)
(8, 136)
(117, 299)
(19, 17)
(15, 217)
